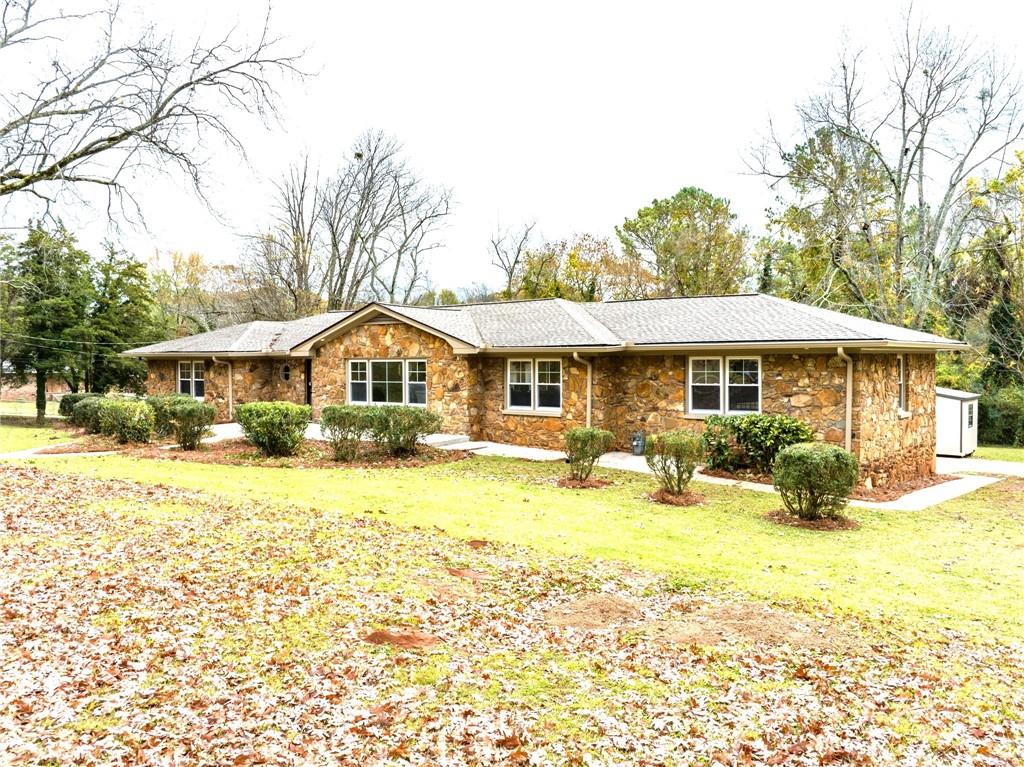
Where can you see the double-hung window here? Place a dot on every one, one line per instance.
(387, 382)
(730, 385)
(191, 378)
(534, 385)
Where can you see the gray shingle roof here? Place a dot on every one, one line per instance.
(556, 323)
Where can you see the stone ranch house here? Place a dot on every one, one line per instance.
(522, 372)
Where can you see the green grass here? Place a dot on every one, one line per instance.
(999, 453)
(26, 408)
(22, 435)
(958, 565)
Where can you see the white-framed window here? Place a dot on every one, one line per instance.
(901, 391)
(191, 378)
(970, 414)
(387, 382)
(286, 373)
(534, 385)
(724, 385)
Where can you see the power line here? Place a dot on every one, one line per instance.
(84, 343)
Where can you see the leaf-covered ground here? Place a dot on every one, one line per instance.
(148, 625)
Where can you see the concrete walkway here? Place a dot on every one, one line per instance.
(914, 501)
(979, 466)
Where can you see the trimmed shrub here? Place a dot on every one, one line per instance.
(1001, 417)
(397, 428)
(761, 437)
(86, 414)
(815, 479)
(68, 401)
(583, 446)
(719, 442)
(276, 428)
(673, 457)
(190, 421)
(127, 420)
(162, 405)
(737, 441)
(344, 427)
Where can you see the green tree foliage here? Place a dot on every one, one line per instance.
(48, 293)
(573, 269)
(685, 245)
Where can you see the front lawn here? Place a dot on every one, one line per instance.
(27, 408)
(22, 434)
(956, 566)
(999, 453)
(147, 624)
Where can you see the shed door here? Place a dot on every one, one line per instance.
(969, 429)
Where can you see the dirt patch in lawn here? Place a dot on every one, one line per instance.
(407, 640)
(312, 454)
(783, 517)
(591, 483)
(594, 611)
(899, 489)
(467, 574)
(753, 623)
(686, 498)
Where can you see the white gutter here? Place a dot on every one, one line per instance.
(849, 395)
(590, 378)
(231, 386)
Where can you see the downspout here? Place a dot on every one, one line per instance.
(849, 395)
(231, 386)
(590, 378)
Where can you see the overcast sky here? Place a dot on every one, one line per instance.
(570, 114)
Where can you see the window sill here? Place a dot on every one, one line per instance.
(703, 416)
(534, 413)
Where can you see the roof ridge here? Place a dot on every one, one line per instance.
(588, 322)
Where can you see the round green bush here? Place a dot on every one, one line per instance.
(126, 420)
(190, 421)
(396, 429)
(68, 401)
(815, 479)
(85, 414)
(162, 405)
(583, 446)
(276, 428)
(737, 441)
(673, 457)
(344, 426)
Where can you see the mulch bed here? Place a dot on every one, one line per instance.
(590, 483)
(742, 475)
(312, 454)
(900, 489)
(783, 517)
(686, 498)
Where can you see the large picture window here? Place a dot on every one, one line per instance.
(191, 378)
(387, 382)
(535, 385)
(729, 385)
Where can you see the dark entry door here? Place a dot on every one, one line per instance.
(309, 382)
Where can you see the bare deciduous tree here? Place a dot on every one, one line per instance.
(509, 249)
(137, 101)
(890, 202)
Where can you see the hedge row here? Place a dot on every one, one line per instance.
(392, 429)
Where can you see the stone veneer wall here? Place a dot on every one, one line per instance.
(450, 379)
(256, 379)
(892, 447)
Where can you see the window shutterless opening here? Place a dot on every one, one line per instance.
(192, 378)
(534, 385)
(387, 382)
(724, 385)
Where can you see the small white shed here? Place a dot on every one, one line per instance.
(956, 422)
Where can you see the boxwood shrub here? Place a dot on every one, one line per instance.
(162, 405)
(190, 421)
(276, 428)
(815, 479)
(344, 427)
(126, 420)
(673, 457)
(397, 428)
(85, 414)
(583, 446)
(68, 402)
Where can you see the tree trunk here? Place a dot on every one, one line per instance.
(40, 397)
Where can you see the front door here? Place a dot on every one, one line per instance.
(309, 381)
